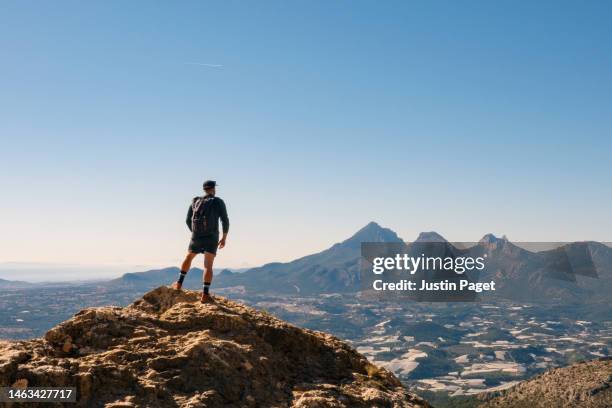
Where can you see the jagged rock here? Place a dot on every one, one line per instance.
(20, 383)
(585, 384)
(167, 349)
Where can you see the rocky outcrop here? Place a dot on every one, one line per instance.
(584, 385)
(168, 350)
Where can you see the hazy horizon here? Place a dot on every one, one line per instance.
(44, 272)
(37, 272)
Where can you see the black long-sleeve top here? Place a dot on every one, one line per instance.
(218, 211)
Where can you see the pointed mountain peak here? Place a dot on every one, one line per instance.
(373, 232)
(492, 239)
(488, 239)
(430, 236)
(371, 226)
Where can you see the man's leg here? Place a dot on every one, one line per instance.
(184, 269)
(209, 259)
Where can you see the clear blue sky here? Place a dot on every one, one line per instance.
(315, 117)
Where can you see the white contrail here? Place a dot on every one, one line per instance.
(205, 65)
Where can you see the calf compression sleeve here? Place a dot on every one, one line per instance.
(182, 276)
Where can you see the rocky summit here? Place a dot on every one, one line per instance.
(586, 385)
(168, 350)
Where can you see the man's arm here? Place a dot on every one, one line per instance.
(189, 216)
(224, 222)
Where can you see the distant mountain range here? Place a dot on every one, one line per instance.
(520, 274)
(574, 272)
(9, 284)
(150, 279)
(332, 270)
(335, 269)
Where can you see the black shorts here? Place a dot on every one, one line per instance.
(200, 245)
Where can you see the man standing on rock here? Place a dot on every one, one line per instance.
(203, 222)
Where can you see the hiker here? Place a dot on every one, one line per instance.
(203, 222)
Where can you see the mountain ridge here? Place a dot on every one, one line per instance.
(521, 274)
(585, 384)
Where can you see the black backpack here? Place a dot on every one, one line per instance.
(200, 220)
